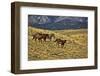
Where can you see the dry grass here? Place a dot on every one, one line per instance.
(49, 50)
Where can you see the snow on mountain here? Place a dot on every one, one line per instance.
(43, 19)
(39, 19)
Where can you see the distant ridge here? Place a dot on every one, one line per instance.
(57, 22)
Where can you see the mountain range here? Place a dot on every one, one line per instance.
(57, 22)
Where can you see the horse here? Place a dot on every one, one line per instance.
(60, 42)
(37, 36)
(42, 36)
(51, 36)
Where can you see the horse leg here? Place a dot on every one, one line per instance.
(33, 38)
(62, 45)
(45, 39)
(58, 45)
(40, 40)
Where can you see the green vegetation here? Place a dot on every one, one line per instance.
(77, 48)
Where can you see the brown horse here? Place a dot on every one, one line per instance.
(44, 37)
(60, 42)
(51, 36)
(37, 36)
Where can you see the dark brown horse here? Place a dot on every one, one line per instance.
(42, 36)
(60, 42)
(37, 36)
(51, 36)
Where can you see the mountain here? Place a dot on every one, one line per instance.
(57, 22)
(38, 19)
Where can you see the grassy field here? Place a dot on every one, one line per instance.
(49, 50)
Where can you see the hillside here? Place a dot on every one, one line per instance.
(77, 48)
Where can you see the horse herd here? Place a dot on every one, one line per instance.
(44, 37)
